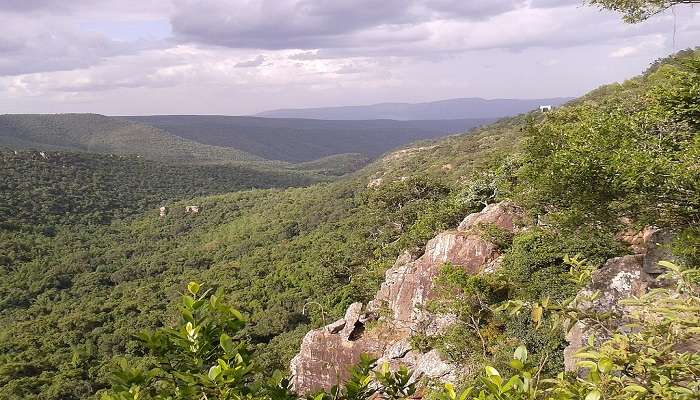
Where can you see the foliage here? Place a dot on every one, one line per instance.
(108, 135)
(274, 250)
(632, 154)
(197, 359)
(634, 11)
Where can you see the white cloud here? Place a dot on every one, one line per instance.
(625, 52)
(286, 53)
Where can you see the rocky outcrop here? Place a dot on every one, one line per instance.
(383, 328)
(619, 278)
(505, 215)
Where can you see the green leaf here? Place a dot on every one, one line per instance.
(193, 287)
(587, 364)
(226, 343)
(594, 395)
(214, 372)
(491, 371)
(449, 388)
(521, 354)
(592, 354)
(517, 364)
(634, 388)
(605, 365)
(536, 315)
(669, 265)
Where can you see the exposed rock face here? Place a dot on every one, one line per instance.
(637, 240)
(407, 287)
(327, 352)
(505, 215)
(397, 311)
(619, 278)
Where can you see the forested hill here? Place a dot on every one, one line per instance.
(45, 190)
(301, 140)
(100, 134)
(294, 259)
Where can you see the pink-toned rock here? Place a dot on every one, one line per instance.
(505, 215)
(325, 358)
(408, 287)
(398, 309)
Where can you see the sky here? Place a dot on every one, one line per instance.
(236, 57)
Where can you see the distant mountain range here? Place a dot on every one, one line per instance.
(463, 108)
(334, 138)
(301, 140)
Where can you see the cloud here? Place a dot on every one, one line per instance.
(59, 35)
(651, 43)
(312, 24)
(256, 62)
(91, 54)
(31, 45)
(555, 3)
(625, 52)
(425, 28)
(122, 8)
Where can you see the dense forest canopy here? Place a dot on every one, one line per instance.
(46, 189)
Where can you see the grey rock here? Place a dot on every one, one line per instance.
(619, 278)
(658, 248)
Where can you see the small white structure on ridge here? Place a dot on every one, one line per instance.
(546, 108)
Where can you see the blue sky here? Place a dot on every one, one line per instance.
(244, 56)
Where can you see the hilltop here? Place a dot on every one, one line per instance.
(47, 190)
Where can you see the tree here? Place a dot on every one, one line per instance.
(634, 11)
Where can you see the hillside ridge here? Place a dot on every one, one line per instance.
(458, 108)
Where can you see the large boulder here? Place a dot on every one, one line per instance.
(327, 353)
(619, 278)
(383, 329)
(505, 215)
